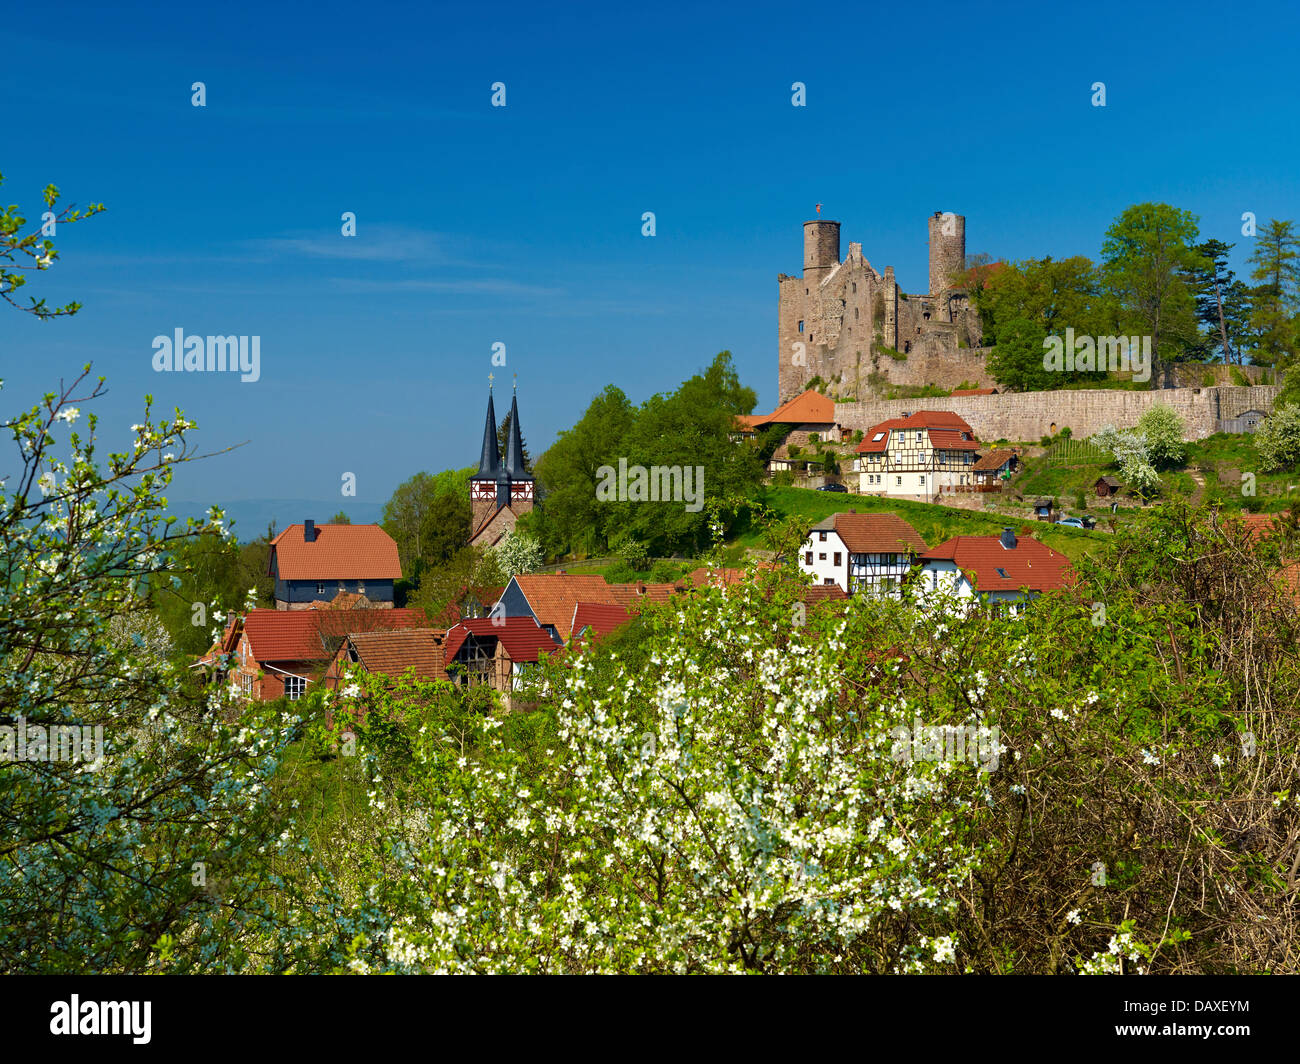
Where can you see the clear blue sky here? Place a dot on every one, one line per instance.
(523, 224)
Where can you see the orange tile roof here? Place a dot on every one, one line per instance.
(632, 595)
(993, 461)
(393, 653)
(809, 408)
(973, 391)
(1031, 565)
(553, 596)
(823, 593)
(877, 533)
(339, 552)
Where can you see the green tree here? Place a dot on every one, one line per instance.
(1276, 265)
(1016, 362)
(428, 517)
(569, 472)
(1277, 441)
(503, 437)
(1145, 257)
(1165, 436)
(25, 253)
(340, 518)
(150, 849)
(1222, 303)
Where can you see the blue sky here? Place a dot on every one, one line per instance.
(522, 224)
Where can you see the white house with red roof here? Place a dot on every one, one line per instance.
(869, 553)
(314, 563)
(1001, 569)
(916, 456)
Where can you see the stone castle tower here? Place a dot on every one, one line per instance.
(855, 328)
(500, 491)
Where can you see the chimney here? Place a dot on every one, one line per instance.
(309, 531)
(1008, 539)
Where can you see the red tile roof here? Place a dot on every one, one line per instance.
(393, 653)
(631, 596)
(553, 596)
(339, 552)
(973, 391)
(877, 533)
(522, 638)
(1030, 564)
(946, 431)
(993, 461)
(299, 635)
(721, 576)
(823, 593)
(600, 616)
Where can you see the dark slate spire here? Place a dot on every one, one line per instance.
(515, 445)
(489, 462)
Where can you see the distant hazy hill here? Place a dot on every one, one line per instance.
(251, 516)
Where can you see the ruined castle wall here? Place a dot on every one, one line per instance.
(1031, 415)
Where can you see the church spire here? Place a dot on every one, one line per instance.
(515, 444)
(489, 463)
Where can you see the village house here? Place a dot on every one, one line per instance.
(869, 553)
(269, 654)
(1003, 569)
(504, 653)
(807, 420)
(995, 466)
(316, 563)
(550, 599)
(917, 456)
(1107, 486)
(391, 653)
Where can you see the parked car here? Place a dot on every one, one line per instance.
(1072, 522)
(832, 487)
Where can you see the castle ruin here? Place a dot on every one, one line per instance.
(856, 329)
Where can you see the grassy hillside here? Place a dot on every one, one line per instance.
(934, 523)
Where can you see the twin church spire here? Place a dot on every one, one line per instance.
(501, 490)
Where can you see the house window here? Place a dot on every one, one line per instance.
(837, 558)
(828, 580)
(821, 537)
(821, 557)
(361, 587)
(294, 686)
(899, 482)
(320, 589)
(922, 480)
(246, 682)
(807, 558)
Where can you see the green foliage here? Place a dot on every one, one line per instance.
(1278, 439)
(1164, 433)
(25, 253)
(153, 849)
(1146, 255)
(428, 517)
(1275, 301)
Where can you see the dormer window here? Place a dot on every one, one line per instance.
(1003, 573)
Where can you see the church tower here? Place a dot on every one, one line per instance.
(500, 491)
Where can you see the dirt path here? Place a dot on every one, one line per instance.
(1199, 493)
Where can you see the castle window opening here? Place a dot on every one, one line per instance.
(801, 326)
